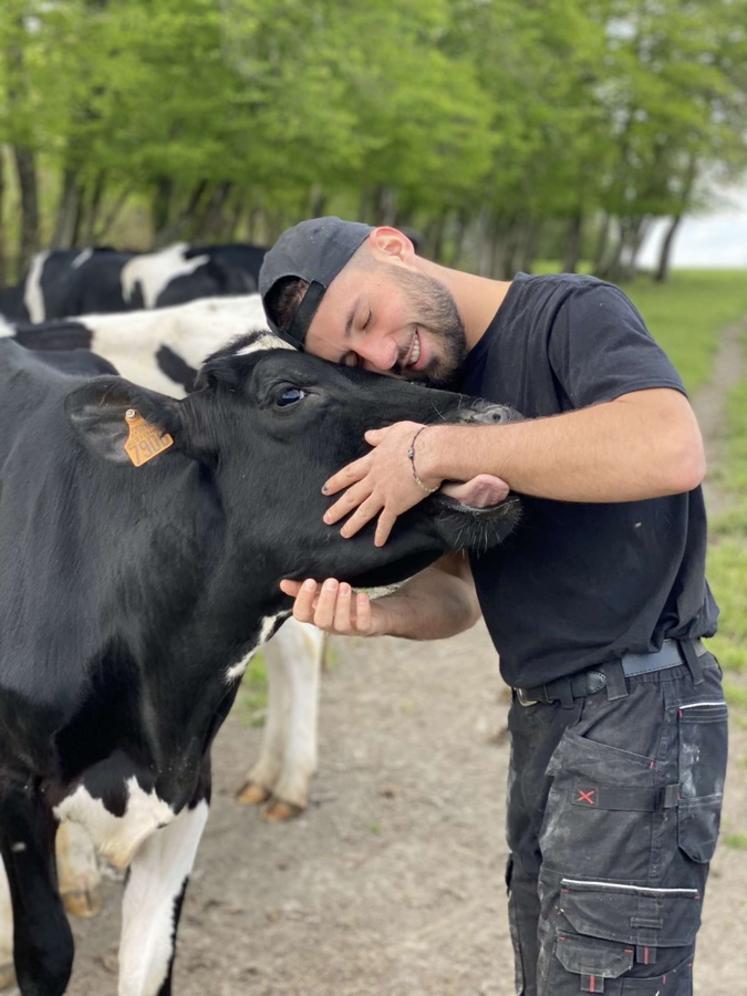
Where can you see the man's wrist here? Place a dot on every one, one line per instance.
(432, 453)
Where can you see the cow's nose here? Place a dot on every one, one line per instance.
(485, 413)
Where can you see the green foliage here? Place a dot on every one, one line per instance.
(438, 112)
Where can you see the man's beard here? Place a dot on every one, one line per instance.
(437, 313)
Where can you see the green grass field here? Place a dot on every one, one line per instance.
(686, 316)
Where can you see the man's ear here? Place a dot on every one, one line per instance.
(97, 413)
(388, 242)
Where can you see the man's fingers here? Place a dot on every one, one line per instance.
(347, 502)
(384, 526)
(343, 621)
(324, 614)
(289, 587)
(303, 607)
(362, 515)
(362, 612)
(349, 474)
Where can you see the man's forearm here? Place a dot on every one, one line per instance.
(431, 606)
(643, 445)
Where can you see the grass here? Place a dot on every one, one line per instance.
(251, 701)
(727, 561)
(687, 314)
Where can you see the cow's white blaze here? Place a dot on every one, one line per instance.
(117, 837)
(32, 294)
(236, 670)
(157, 876)
(194, 330)
(153, 270)
(6, 330)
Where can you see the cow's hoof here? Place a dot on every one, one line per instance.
(253, 794)
(280, 811)
(83, 903)
(7, 976)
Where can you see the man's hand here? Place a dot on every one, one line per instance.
(380, 483)
(335, 607)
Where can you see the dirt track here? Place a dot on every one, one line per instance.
(392, 882)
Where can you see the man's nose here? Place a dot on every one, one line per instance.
(379, 354)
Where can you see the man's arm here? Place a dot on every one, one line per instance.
(645, 444)
(439, 602)
(641, 445)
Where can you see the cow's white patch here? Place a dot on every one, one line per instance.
(6, 330)
(6, 922)
(236, 670)
(32, 294)
(156, 878)
(194, 330)
(153, 270)
(81, 258)
(266, 340)
(117, 837)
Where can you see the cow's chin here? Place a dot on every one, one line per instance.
(476, 530)
(437, 526)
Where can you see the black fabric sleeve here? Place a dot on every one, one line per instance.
(600, 348)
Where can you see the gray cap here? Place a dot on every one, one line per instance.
(314, 250)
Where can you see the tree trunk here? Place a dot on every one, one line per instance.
(3, 248)
(68, 208)
(665, 250)
(28, 241)
(93, 207)
(160, 207)
(572, 243)
(600, 250)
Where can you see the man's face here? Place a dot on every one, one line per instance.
(390, 319)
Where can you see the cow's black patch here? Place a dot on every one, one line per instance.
(175, 368)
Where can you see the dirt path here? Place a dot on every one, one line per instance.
(391, 885)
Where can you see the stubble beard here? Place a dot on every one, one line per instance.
(437, 313)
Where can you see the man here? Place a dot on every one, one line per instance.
(596, 604)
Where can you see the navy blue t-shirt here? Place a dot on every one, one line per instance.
(578, 583)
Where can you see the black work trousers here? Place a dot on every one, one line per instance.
(613, 813)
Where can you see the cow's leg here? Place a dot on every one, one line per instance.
(77, 870)
(7, 972)
(156, 883)
(42, 940)
(288, 757)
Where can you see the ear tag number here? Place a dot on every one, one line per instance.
(145, 440)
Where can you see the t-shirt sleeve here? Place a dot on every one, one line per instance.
(600, 348)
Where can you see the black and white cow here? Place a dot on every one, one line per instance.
(65, 282)
(163, 350)
(131, 598)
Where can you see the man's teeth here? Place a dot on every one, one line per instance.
(414, 351)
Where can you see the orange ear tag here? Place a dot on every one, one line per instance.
(145, 441)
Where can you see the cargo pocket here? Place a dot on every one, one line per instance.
(602, 812)
(702, 768)
(607, 930)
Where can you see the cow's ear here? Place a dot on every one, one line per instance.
(104, 409)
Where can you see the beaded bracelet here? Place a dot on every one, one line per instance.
(411, 457)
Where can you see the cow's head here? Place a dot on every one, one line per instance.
(270, 427)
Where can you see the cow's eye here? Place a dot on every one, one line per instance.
(289, 396)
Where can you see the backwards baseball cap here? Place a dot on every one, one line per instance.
(314, 250)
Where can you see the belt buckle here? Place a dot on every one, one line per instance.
(524, 700)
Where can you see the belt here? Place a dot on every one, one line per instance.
(594, 679)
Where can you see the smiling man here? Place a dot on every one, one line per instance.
(596, 604)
